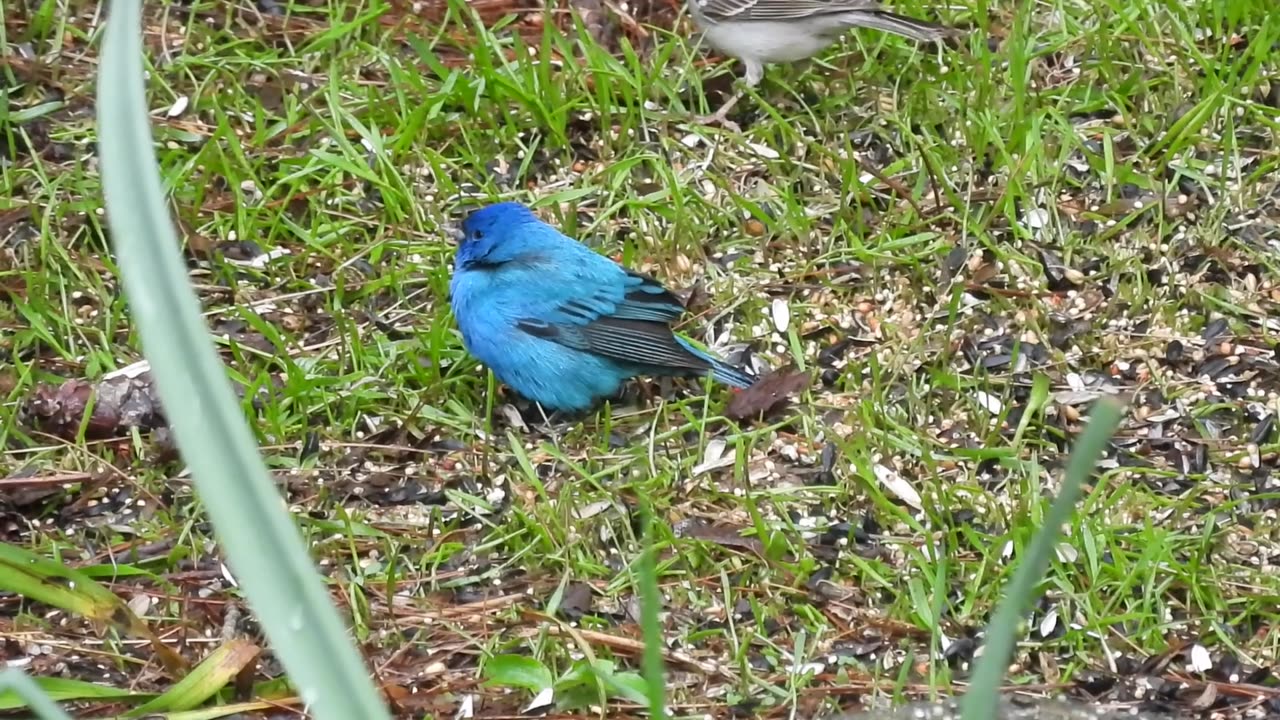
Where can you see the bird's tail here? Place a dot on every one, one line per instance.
(909, 27)
(720, 370)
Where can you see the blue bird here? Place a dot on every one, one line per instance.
(559, 323)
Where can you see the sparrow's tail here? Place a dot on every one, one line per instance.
(720, 370)
(918, 30)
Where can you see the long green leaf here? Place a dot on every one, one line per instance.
(221, 711)
(212, 674)
(651, 622)
(981, 701)
(15, 693)
(51, 582)
(261, 542)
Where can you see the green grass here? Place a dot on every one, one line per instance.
(353, 135)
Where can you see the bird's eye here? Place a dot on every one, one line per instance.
(477, 235)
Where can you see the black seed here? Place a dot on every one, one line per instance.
(1215, 330)
(1263, 431)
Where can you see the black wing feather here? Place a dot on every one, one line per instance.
(631, 324)
(638, 342)
(642, 343)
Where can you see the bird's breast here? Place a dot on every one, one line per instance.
(771, 42)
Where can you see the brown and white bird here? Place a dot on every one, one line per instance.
(758, 32)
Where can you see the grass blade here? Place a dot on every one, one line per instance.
(650, 622)
(54, 688)
(221, 711)
(261, 542)
(53, 583)
(16, 682)
(212, 674)
(983, 696)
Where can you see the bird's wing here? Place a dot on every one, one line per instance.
(635, 342)
(646, 299)
(628, 321)
(720, 10)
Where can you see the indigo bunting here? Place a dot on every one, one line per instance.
(770, 31)
(559, 323)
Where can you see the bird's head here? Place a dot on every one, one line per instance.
(496, 234)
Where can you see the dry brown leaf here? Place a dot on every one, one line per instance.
(767, 394)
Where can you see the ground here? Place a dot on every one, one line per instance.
(1078, 193)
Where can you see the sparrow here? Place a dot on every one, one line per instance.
(758, 32)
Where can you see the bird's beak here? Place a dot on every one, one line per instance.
(455, 233)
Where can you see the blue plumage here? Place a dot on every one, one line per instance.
(559, 323)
